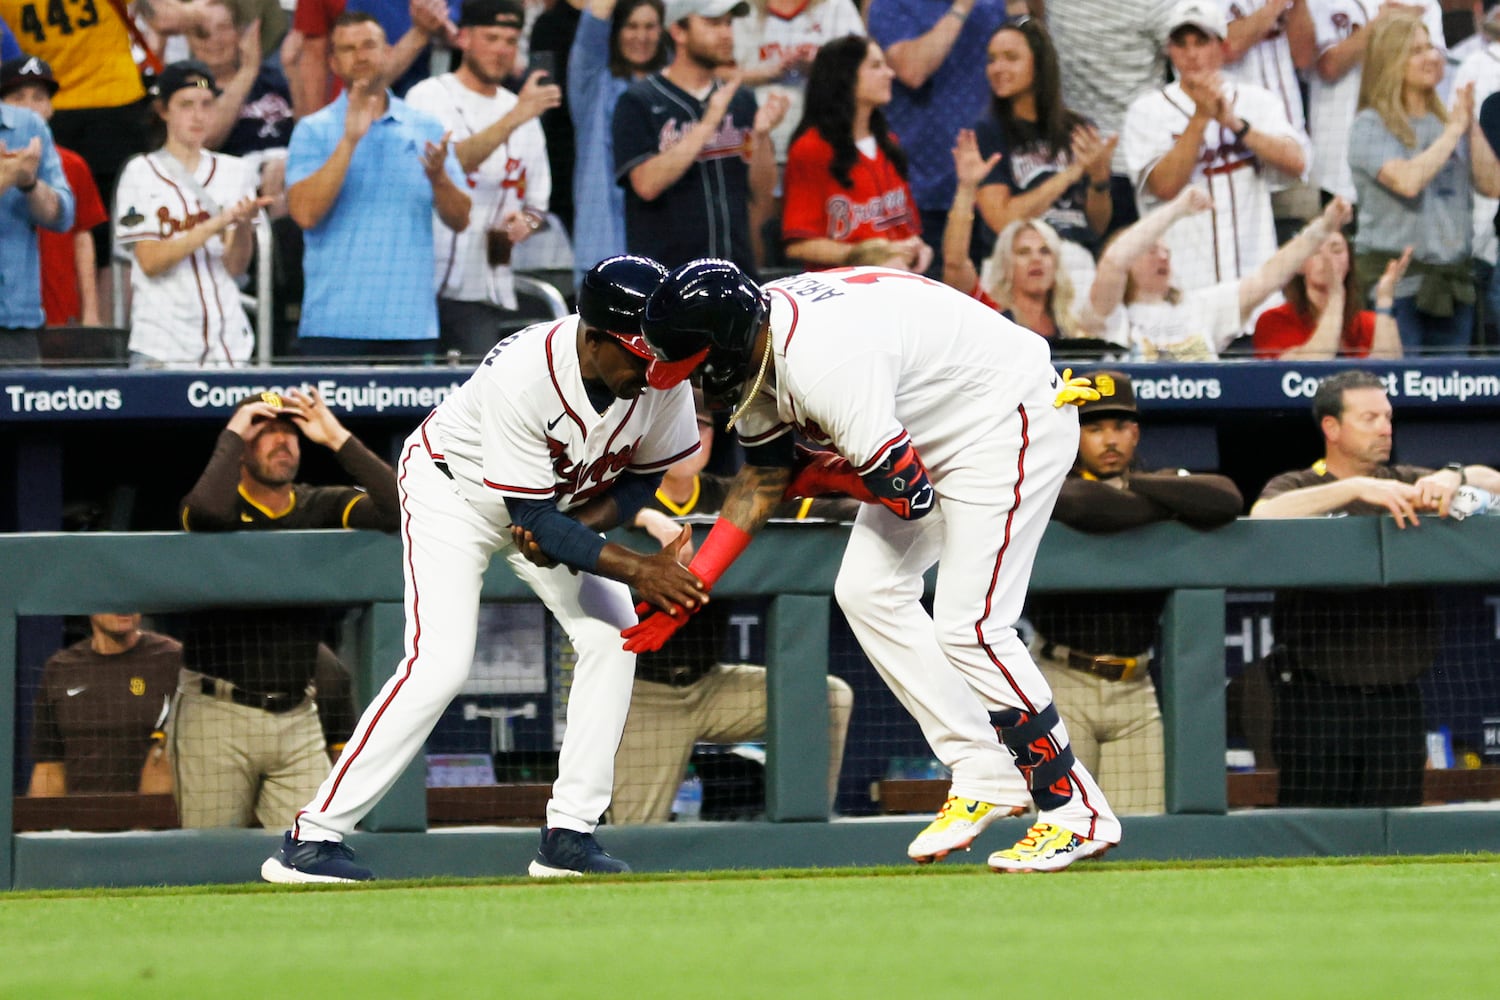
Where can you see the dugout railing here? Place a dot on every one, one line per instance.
(794, 568)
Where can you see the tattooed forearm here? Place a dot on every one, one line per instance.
(756, 492)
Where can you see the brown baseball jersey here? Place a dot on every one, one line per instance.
(1355, 637)
(95, 713)
(275, 650)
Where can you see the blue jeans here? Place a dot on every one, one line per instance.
(1425, 334)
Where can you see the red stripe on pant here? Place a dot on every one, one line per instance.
(416, 645)
(989, 598)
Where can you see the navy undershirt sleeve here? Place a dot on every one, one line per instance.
(631, 492)
(559, 535)
(777, 453)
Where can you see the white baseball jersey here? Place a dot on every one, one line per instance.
(1196, 328)
(1268, 63)
(191, 313)
(1482, 69)
(1331, 106)
(521, 427)
(866, 360)
(1239, 234)
(886, 378)
(763, 37)
(515, 176)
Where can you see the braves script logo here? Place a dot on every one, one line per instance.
(726, 142)
(881, 212)
(583, 480)
(168, 227)
(1034, 163)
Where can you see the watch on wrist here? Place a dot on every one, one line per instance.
(1242, 131)
(1458, 467)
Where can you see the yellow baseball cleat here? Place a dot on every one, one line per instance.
(1047, 848)
(957, 824)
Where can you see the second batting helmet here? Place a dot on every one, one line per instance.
(706, 313)
(613, 295)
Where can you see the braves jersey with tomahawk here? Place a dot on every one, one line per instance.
(877, 205)
(190, 313)
(522, 426)
(868, 358)
(1331, 106)
(1238, 234)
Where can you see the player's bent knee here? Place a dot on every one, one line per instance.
(857, 592)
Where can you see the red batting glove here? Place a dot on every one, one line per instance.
(723, 546)
(819, 473)
(652, 633)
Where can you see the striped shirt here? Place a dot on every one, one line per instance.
(1110, 51)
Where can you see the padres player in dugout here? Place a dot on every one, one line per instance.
(958, 445)
(555, 438)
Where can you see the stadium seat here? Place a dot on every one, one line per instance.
(94, 346)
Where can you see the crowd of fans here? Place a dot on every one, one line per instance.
(1004, 147)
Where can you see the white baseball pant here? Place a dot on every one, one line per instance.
(446, 544)
(959, 668)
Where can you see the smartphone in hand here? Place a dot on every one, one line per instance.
(545, 62)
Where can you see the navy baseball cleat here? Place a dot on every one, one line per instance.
(568, 854)
(301, 862)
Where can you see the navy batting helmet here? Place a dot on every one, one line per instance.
(613, 295)
(707, 312)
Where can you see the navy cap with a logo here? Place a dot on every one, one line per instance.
(25, 70)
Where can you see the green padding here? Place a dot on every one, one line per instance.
(77, 573)
(54, 574)
(1192, 697)
(797, 709)
(189, 857)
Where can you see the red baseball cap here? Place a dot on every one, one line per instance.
(663, 374)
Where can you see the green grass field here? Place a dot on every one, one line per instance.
(1366, 928)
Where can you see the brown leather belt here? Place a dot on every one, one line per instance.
(1110, 668)
(677, 675)
(275, 702)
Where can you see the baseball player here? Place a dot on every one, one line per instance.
(959, 444)
(555, 438)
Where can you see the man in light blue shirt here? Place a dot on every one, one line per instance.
(364, 176)
(33, 192)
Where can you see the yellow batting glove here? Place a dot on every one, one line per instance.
(1077, 391)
